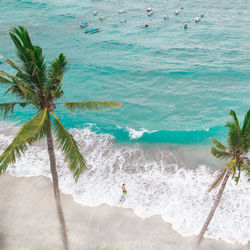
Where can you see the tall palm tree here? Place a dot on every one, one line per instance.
(236, 152)
(39, 85)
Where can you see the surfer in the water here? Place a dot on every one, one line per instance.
(124, 192)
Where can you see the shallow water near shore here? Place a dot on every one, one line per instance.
(157, 184)
(90, 228)
(177, 87)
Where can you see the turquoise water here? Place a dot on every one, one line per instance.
(178, 84)
(177, 87)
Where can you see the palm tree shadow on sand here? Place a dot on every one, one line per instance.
(2, 238)
(40, 85)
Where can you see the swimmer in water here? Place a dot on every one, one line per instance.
(124, 193)
(124, 190)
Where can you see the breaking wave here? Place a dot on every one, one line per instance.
(157, 184)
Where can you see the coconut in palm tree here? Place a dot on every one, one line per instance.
(236, 153)
(38, 85)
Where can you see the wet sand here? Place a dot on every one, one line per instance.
(28, 220)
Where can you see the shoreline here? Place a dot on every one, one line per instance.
(29, 221)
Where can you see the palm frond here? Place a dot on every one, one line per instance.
(246, 123)
(35, 128)
(13, 65)
(22, 34)
(20, 74)
(4, 81)
(234, 135)
(218, 179)
(31, 131)
(237, 148)
(15, 90)
(8, 108)
(19, 88)
(30, 95)
(31, 56)
(55, 75)
(91, 105)
(235, 119)
(218, 144)
(10, 156)
(70, 149)
(246, 168)
(13, 84)
(221, 154)
(14, 78)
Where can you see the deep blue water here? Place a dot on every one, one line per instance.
(180, 84)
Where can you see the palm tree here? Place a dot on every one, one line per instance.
(39, 85)
(236, 151)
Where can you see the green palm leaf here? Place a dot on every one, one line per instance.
(91, 105)
(35, 128)
(246, 123)
(56, 71)
(14, 78)
(221, 154)
(10, 155)
(13, 84)
(70, 149)
(31, 56)
(246, 167)
(31, 131)
(19, 89)
(218, 144)
(234, 135)
(20, 74)
(235, 119)
(13, 65)
(15, 90)
(8, 108)
(30, 96)
(5, 81)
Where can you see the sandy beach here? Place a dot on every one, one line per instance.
(148, 95)
(29, 221)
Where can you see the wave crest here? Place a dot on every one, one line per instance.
(157, 185)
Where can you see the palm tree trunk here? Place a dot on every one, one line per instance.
(56, 189)
(216, 203)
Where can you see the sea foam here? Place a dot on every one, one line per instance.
(135, 134)
(157, 186)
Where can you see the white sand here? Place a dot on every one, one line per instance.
(28, 220)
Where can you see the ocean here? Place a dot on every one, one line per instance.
(177, 87)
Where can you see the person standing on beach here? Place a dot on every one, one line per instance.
(124, 193)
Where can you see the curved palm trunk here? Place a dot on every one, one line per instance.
(216, 203)
(56, 189)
